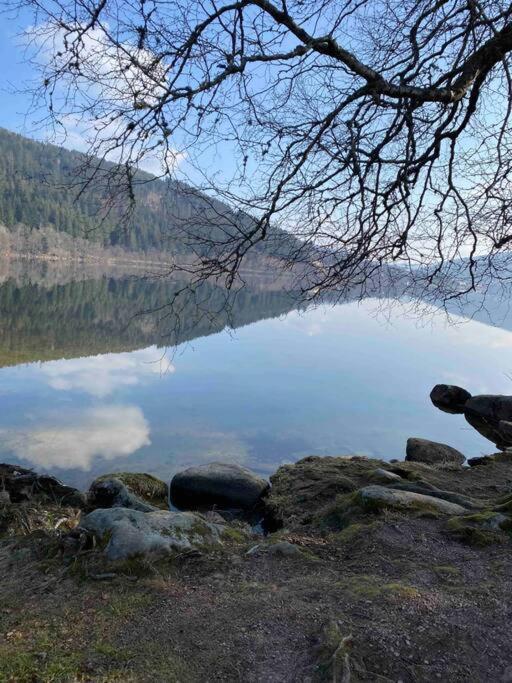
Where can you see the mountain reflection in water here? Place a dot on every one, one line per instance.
(101, 374)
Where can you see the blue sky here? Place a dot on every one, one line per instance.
(15, 73)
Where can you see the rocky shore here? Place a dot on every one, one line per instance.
(340, 568)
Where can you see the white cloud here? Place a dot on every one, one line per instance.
(113, 78)
(100, 376)
(107, 432)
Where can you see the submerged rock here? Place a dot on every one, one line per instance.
(217, 483)
(432, 453)
(449, 398)
(112, 493)
(379, 497)
(158, 533)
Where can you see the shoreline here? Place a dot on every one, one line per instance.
(373, 572)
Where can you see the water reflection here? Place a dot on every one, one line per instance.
(75, 441)
(108, 395)
(100, 376)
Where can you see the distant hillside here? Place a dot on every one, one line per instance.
(39, 186)
(84, 318)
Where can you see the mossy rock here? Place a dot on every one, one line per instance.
(302, 491)
(145, 486)
(479, 530)
(378, 498)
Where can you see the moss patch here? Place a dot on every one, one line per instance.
(469, 529)
(151, 489)
(372, 587)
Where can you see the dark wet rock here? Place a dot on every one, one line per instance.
(24, 485)
(486, 413)
(489, 414)
(505, 430)
(112, 493)
(375, 498)
(220, 484)
(432, 453)
(480, 460)
(132, 533)
(449, 398)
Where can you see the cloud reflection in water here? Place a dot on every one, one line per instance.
(100, 376)
(107, 432)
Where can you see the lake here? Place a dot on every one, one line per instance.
(89, 383)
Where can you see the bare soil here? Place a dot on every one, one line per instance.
(386, 596)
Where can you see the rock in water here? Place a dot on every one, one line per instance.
(380, 497)
(491, 415)
(219, 484)
(486, 413)
(432, 453)
(449, 398)
(159, 533)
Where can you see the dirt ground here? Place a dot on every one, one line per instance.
(387, 596)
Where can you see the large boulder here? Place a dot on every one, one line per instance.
(489, 415)
(219, 484)
(159, 533)
(449, 398)
(376, 498)
(112, 493)
(432, 453)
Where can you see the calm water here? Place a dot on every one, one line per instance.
(86, 388)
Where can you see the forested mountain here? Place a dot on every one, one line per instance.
(39, 188)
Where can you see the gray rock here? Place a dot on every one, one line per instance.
(111, 493)
(380, 497)
(486, 413)
(382, 476)
(218, 484)
(432, 453)
(489, 414)
(159, 533)
(449, 398)
(428, 489)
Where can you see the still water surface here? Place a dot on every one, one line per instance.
(85, 388)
